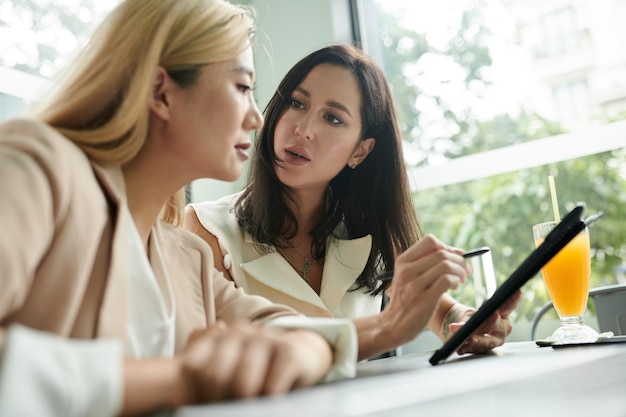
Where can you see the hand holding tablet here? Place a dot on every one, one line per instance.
(564, 232)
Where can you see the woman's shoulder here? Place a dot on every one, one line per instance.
(177, 238)
(217, 213)
(223, 203)
(23, 125)
(34, 136)
(28, 127)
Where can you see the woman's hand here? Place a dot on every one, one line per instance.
(490, 334)
(243, 360)
(422, 274)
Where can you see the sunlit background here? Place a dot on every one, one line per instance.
(493, 97)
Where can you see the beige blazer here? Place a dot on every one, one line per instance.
(271, 276)
(63, 266)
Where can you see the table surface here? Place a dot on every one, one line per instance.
(516, 379)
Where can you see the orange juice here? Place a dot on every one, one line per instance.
(567, 276)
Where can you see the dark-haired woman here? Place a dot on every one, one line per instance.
(327, 207)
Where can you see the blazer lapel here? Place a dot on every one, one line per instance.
(274, 271)
(114, 307)
(345, 260)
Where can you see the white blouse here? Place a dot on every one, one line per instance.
(152, 307)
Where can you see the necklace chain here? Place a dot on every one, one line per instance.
(306, 265)
(306, 268)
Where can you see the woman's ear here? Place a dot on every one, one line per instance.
(159, 101)
(363, 148)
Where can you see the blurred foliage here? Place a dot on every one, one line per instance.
(44, 33)
(401, 46)
(403, 51)
(499, 211)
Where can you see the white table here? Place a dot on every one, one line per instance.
(517, 379)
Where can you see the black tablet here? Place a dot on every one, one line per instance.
(565, 231)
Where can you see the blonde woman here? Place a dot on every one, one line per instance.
(104, 308)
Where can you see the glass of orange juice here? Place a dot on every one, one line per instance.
(567, 279)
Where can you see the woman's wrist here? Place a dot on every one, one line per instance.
(316, 358)
(184, 390)
(153, 384)
(376, 335)
(452, 316)
(388, 332)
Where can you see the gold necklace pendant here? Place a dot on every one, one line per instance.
(306, 268)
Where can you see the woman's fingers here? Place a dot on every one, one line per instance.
(480, 343)
(428, 263)
(243, 360)
(252, 371)
(509, 306)
(441, 270)
(489, 335)
(425, 246)
(282, 375)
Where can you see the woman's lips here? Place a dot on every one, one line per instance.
(296, 157)
(242, 150)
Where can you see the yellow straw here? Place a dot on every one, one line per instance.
(555, 203)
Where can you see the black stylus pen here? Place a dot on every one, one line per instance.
(386, 276)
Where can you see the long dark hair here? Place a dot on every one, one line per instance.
(374, 198)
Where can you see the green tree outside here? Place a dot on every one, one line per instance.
(499, 211)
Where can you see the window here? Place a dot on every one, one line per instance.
(572, 102)
(17, 89)
(37, 38)
(559, 33)
(487, 119)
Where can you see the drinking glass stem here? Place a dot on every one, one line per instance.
(572, 321)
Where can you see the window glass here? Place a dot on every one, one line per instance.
(571, 99)
(10, 106)
(495, 96)
(559, 33)
(37, 38)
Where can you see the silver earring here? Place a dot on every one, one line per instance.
(353, 166)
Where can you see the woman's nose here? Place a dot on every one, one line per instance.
(303, 129)
(256, 118)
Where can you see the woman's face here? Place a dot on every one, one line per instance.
(319, 132)
(212, 120)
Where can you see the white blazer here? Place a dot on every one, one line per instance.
(271, 276)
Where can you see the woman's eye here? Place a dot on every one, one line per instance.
(296, 104)
(244, 88)
(334, 119)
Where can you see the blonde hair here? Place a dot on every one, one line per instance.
(101, 103)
